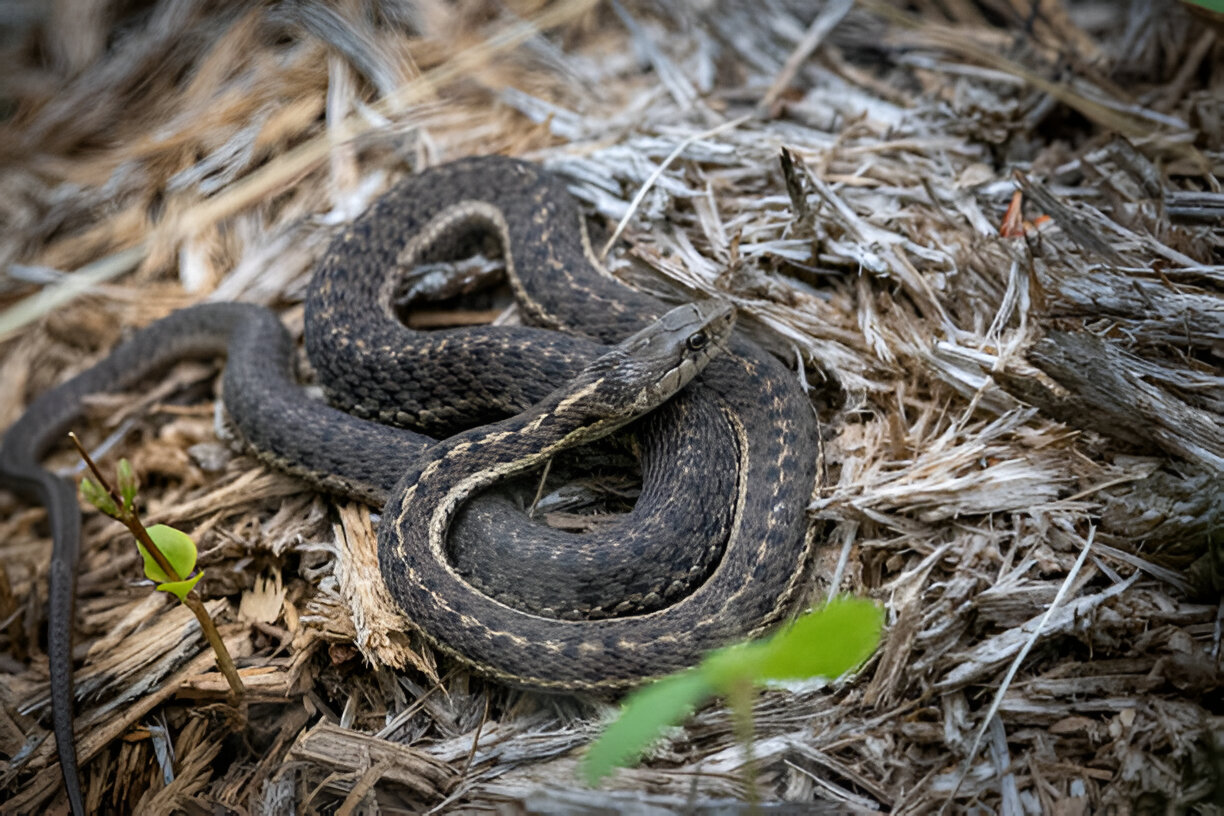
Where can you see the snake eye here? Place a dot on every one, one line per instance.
(697, 341)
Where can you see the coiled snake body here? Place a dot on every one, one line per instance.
(713, 551)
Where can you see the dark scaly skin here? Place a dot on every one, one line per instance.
(612, 570)
(371, 364)
(267, 407)
(353, 340)
(753, 586)
(46, 420)
(342, 453)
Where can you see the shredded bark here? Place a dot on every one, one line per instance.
(989, 234)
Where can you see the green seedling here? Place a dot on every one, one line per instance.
(1211, 5)
(168, 554)
(180, 551)
(823, 643)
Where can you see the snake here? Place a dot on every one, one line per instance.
(729, 464)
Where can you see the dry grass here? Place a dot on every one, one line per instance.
(1023, 448)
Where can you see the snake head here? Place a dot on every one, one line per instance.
(649, 367)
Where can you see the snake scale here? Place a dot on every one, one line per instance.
(713, 551)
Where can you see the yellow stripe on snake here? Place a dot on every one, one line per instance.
(713, 551)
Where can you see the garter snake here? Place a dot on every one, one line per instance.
(744, 432)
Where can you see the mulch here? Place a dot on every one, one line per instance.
(992, 232)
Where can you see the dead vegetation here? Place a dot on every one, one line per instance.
(996, 241)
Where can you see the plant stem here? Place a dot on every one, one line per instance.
(741, 695)
(131, 519)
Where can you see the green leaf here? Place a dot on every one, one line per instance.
(128, 483)
(1211, 5)
(176, 546)
(826, 642)
(823, 643)
(728, 667)
(98, 497)
(646, 713)
(181, 588)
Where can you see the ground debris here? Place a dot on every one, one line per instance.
(988, 234)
